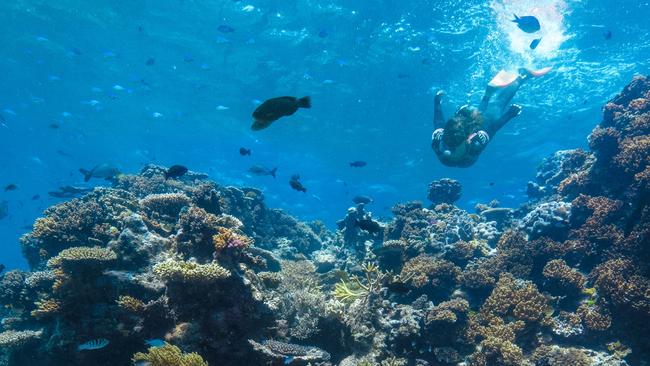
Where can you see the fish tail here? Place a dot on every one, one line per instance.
(273, 172)
(304, 102)
(248, 152)
(87, 174)
(516, 18)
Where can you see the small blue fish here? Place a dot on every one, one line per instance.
(323, 33)
(95, 344)
(225, 28)
(528, 24)
(535, 43)
(288, 360)
(154, 342)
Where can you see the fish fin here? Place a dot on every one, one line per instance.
(87, 174)
(273, 172)
(304, 102)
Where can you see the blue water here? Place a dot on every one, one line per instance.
(371, 69)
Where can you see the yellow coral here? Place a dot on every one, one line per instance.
(85, 255)
(227, 238)
(130, 303)
(46, 308)
(169, 355)
(183, 271)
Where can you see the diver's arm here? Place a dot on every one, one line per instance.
(511, 113)
(438, 118)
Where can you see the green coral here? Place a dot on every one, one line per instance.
(169, 355)
(175, 270)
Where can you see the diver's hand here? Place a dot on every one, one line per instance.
(483, 137)
(478, 139)
(437, 135)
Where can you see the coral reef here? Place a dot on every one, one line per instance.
(224, 280)
(169, 355)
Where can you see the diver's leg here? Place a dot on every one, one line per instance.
(495, 126)
(438, 118)
(489, 92)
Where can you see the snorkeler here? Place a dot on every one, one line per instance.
(460, 140)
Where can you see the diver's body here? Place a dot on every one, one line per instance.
(460, 141)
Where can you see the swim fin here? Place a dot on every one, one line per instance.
(503, 79)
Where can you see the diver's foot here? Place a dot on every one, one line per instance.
(438, 97)
(514, 111)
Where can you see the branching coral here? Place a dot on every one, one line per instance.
(169, 355)
(426, 271)
(93, 218)
(46, 308)
(566, 277)
(164, 206)
(623, 284)
(174, 270)
(15, 339)
(448, 311)
(130, 304)
(356, 288)
(557, 356)
(228, 238)
(518, 299)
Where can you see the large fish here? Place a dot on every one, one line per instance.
(273, 109)
(260, 170)
(105, 171)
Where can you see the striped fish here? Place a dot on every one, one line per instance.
(93, 344)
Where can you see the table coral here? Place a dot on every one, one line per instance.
(175, 270)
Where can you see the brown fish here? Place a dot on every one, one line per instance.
(273, 109)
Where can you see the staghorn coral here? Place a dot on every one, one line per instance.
(174, 270)
(169, 355)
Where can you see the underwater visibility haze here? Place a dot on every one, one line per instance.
(310, 182)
